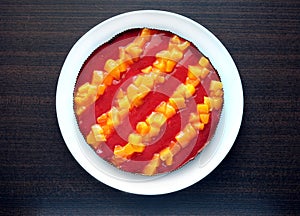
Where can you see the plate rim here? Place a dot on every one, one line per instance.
(136, 187)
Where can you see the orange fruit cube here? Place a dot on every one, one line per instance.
(204, 118)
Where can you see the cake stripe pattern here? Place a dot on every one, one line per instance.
(165, 62)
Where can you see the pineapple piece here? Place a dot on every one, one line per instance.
(176, 54)
(132, 92)
(184, 45)
(133, 50)
(115, 116)
(170, 111)
(148, 81)
(204, 73)
(215, 85)
(84, 88)
(186, 135)
(207, 102)
(190, 90)
(174, 147)
(90, 139)
(146, 33)
(156, 119)
(167, 156)
(123, 151)
(97, 77)
(98, 133)
(161, 108)
(138, 80)
(203, 61)
(110, 65)
(216, 102)
(154, 131)
(194, 72)
(135, 139)
(151, 167)
(124, 103)
(177, 103)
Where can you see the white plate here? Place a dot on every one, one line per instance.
(208, 159)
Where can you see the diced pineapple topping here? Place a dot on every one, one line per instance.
(88, 93)
(204, 62)
(151, 167)
(216, 94)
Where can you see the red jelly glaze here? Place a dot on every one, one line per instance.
(159, 41)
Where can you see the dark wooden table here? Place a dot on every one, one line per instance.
(259, 176)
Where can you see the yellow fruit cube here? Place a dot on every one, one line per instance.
(176, 54)
(110, 65)
(151, 167)
(204, 118)
(217, 103)
(170, 111)
(194, 72)
(204, 73)
(174, 147)
(177, 103)
(142, 128)
(190, 90)
(215, 85)
(147, 69)
(90, 139)
(115, 116)
(133, 50)
(202, 108)
(156, 119)
(135, 139)
(165, 154)
(84, 88)
(132, 92)
(124, 103)
(193, 82)
(203, 61)
(123, 151)
(160, 64)
(207, 101)
(161, 108)
(101, 89)
(154, 131)
(170, 66)
(184, 45)
(148, 81)
(97, 77)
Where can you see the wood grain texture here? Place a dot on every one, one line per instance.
(260, 175)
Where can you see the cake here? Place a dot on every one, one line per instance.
(147, 101)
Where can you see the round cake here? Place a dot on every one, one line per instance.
(148, 101)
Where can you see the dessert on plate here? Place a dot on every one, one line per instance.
(148, 101)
